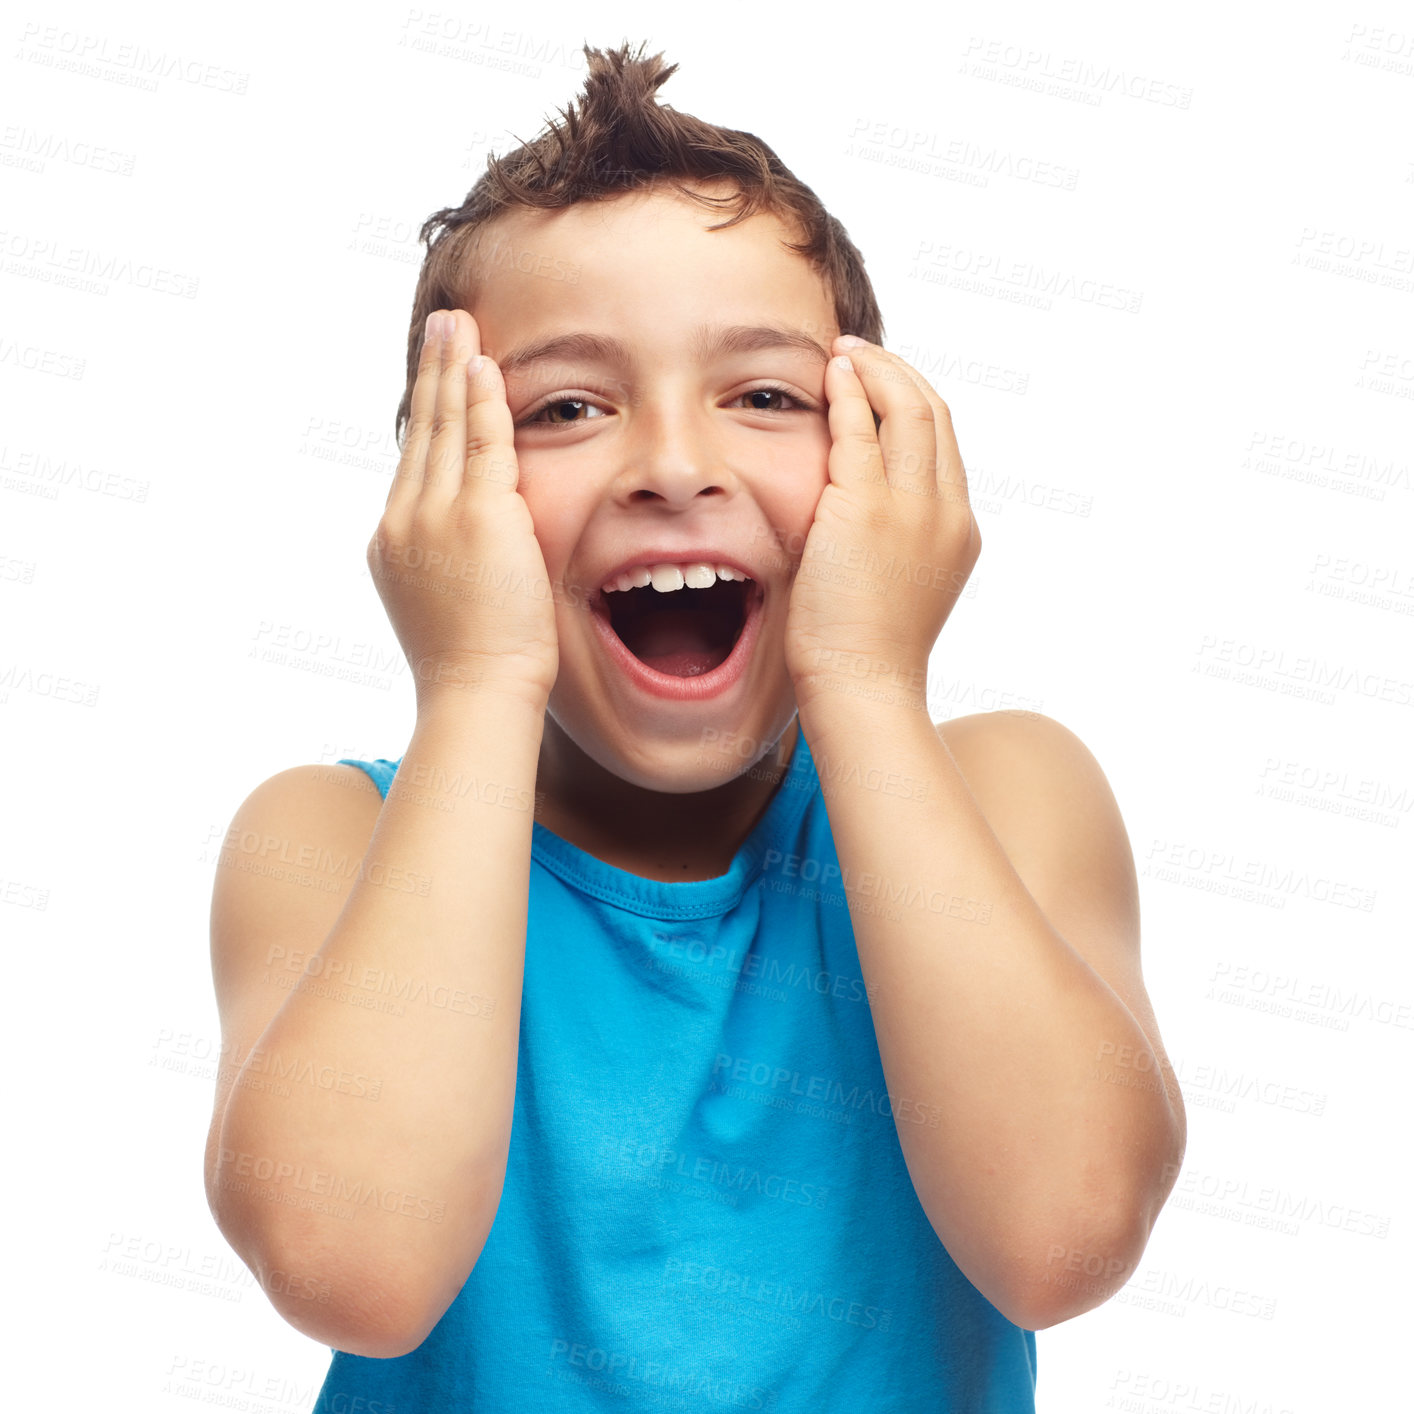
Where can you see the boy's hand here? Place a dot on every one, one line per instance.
(454, 558)
(894, 538)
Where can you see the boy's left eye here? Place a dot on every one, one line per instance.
(772, 392)
(566, 409)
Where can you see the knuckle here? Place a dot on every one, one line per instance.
(480, 454)
(878, 517)
(442, 420)
(384, 548)
(957, 545)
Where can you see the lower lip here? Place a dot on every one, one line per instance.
(675, 689)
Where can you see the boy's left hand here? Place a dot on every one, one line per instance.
(894, 538)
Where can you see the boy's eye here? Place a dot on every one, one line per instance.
(565, 412)
(770, 393)
(566, 406)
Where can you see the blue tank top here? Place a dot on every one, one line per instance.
(706, 1203)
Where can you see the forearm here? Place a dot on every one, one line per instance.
(987, 1021)
(391, 1182)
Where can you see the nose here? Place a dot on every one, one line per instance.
(671, 455)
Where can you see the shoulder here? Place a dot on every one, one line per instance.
(1043, 793)
(330, 789)
(1020, 750)
(288, 861)
(299, 807)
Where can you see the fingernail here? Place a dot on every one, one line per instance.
(432, 329)
(851, 341)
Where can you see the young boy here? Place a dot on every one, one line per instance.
(684, 1019)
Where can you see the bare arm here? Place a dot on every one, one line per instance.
(363, 1149)
(1037, 1111)
(370, 1029)
(1040, 1120)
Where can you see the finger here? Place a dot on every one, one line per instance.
(855, 456)
(488, 448)
(951, 475)
(446, 453)
(948, 477)
(908, 438)
(407, 480)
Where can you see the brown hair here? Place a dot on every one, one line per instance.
(620, 140)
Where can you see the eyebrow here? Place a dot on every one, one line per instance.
(709, 341)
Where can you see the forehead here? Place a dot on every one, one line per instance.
(643, 262)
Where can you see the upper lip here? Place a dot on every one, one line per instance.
(667, 555)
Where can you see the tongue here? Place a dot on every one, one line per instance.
(681, 644)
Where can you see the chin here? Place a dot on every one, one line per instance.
(699, 759)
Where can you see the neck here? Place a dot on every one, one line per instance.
(658, 835)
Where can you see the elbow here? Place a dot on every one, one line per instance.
(1076, 1255)
(368, 1292)
(380, 1311)
(380, 1339)
(381, 1314)
(1073, 1281)
(1074, 1274)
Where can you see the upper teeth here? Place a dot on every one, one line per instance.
(667, 577)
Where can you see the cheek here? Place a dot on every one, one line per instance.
(802, 508)
(800, 493)
(787, 493)
(552, 517)
(790, 513)
(791, 475)
(546, 485)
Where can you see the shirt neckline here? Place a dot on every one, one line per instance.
(692, 898)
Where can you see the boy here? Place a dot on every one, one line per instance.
(704, 1024)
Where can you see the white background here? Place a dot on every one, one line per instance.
(1194, 512)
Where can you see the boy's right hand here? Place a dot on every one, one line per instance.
(454, 558)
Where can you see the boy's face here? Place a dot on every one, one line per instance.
(627, 458)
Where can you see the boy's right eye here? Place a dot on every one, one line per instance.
(559, 405)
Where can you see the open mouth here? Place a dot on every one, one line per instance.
(683, 633)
